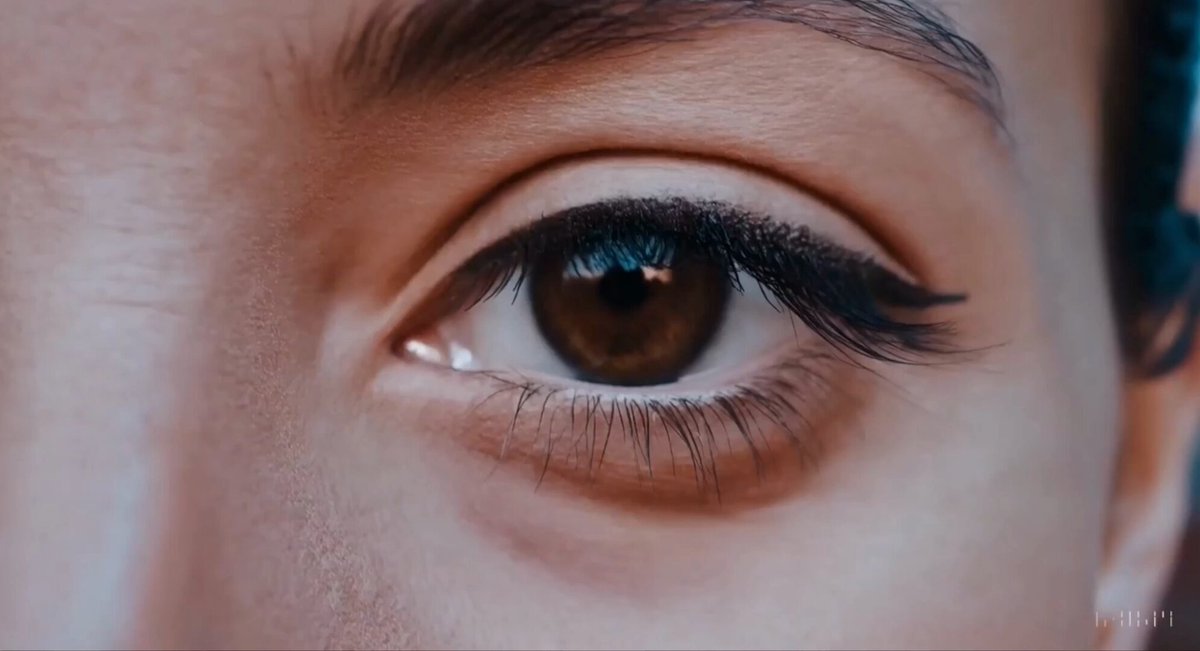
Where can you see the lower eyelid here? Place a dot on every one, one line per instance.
(748, 443)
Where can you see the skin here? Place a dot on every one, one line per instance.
(204, 441)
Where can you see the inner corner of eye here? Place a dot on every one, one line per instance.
(433, 348)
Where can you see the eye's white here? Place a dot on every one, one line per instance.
(501, 334)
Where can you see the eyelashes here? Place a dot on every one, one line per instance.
(844, 297)
(713, 447)
(671, 441)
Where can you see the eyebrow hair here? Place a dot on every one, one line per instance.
(441, 43)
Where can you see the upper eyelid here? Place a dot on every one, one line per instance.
(666, 158)
(513, 148)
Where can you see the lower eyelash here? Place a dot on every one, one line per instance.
(575, 431)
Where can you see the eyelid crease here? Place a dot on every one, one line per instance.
(434, 241)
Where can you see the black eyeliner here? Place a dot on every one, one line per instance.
(845, 297)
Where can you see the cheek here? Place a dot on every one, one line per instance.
(966, 504)
(989, 518)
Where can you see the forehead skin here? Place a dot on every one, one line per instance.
(184, 461)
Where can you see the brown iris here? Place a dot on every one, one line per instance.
(619, 320)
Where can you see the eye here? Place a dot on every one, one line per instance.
(679, 310)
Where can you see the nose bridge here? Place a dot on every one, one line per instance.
(95, 382)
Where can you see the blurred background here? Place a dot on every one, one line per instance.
(1184, 594)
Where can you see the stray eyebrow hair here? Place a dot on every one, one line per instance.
(436, 44)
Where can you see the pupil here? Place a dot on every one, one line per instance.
(624, 290)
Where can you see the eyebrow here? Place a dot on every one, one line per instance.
(437, 44)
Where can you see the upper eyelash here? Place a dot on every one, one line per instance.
(837, 293)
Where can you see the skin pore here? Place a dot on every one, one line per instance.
(215, 243)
